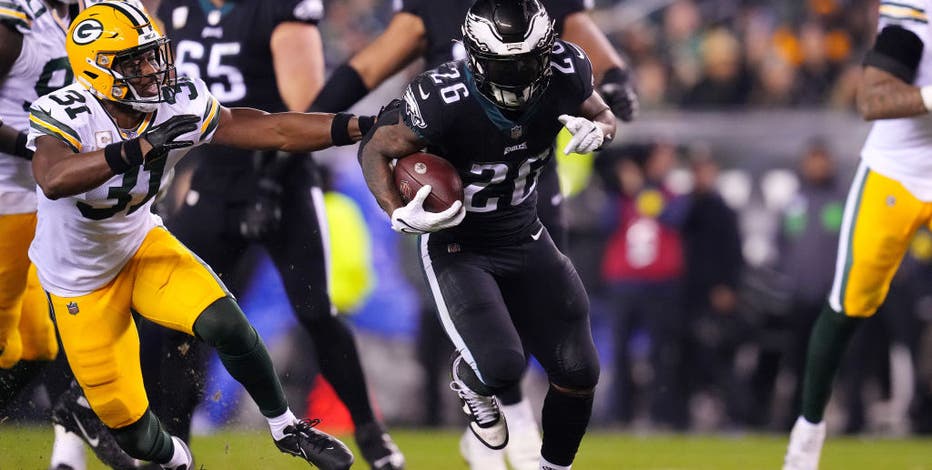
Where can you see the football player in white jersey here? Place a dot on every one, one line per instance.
(102, 146)
(32, 63)
(890, 198)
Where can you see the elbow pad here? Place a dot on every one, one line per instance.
(896, 51)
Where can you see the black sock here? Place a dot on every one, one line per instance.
(16, 378)
(830, 335)
(223, 326)
(339, 364)
(145, 439)
(564, 420)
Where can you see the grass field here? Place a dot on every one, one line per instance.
(26, 448)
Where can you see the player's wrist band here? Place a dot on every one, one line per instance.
(365, 123)
(926, 93)
(339, 129)
(115, 159)
(616, 75)
(20, 149)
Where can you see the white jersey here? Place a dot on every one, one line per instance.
(901, 149)
(41, 67)
(83, 241)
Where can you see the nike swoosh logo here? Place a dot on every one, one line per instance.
(92, 442)
(537, 235)
(421, 91)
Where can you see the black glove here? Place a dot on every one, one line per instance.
(619, 93)
(162, 137)
(263, 215)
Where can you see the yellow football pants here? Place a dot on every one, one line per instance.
(881, 217)
(26, 331)
(163, 282)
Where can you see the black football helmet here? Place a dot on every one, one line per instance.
(508, 44)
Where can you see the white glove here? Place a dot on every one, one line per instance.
(413, 219)
(587, 136)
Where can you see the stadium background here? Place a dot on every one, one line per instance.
(752, 85)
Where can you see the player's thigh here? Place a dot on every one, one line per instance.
(172, 285)
(472, 311)
(300, 252)
(879, 221)
(35, 326)
(16, 232)
(100, 340)
(550, 306)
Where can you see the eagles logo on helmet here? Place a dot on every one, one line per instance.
(118, 54)
(508, 45)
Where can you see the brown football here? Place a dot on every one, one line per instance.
(420, 169)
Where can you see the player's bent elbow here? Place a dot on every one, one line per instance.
(52, 189)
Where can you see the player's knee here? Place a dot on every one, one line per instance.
(504, 369)
(223, 326)
(584, 377)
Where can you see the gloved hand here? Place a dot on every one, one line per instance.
(619, 94)
(413, 219)
(162, 137)
(264, 213)
(587, 136)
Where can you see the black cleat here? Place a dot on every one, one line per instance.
(378, 448)
(317, 447)
(72, 412)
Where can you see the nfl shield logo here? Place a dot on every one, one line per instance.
(516, 132)
(73, 308)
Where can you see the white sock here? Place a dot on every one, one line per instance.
(278, 424)
(545, 465)
(68, 449)
(520, 415)
(179, 456)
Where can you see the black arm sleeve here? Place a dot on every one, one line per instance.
(897, 51)
(343, 89)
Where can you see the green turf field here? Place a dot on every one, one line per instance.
(27, 449)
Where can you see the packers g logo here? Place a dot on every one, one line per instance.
(87, 31)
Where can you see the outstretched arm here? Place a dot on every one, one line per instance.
(399, 45)
(881, 95)
(291, 132)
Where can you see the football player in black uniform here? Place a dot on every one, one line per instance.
(501, 286)
(266, 55)
(432, 30)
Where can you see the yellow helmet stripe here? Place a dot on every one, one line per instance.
(135, 16)
(50, 129)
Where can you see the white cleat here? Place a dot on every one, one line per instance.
(805, 445)
(485, 417)
(480, 457)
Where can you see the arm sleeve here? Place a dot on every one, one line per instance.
(193, 97)
(48, 118)
(14, 14)
(422, 110)
(302, 11)
(584, 81)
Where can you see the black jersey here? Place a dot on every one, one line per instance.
(498, 158)
(228, 47)
(443, 22)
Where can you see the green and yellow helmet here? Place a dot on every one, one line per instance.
(113, 44)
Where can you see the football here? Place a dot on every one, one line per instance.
(420, 169)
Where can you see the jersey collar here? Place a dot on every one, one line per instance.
(493, 112)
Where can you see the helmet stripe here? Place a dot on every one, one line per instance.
(135, 16)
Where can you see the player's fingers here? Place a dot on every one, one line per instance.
(451, 211)
(421, 195)
(573, 144)
(564, 118)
